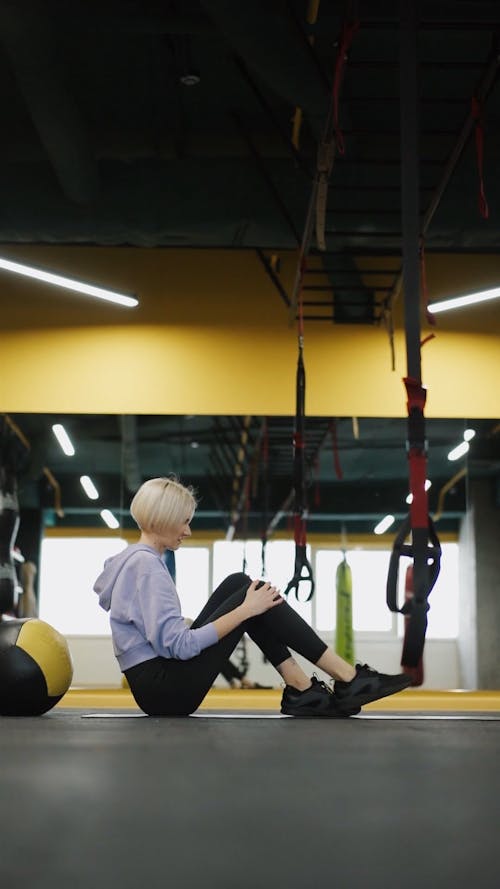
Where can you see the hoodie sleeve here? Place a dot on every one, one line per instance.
(164, 625)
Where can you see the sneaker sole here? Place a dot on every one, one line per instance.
(313, 714)
(368, 697)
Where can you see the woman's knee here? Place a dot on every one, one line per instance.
(239, 579)
(234, 582)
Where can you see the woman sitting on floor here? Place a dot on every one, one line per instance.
(170, 667)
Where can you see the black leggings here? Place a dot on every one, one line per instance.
(170, 687)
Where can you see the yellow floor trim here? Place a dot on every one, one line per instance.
(230, 699)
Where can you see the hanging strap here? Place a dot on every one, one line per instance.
(424, 549)
(265, 482)
(426, 564)
(477, 115)
(348, 31)
(302, 569)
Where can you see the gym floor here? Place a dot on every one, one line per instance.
(95, 795)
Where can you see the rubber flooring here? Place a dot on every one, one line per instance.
(402, 799)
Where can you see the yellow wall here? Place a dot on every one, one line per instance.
(212, 336)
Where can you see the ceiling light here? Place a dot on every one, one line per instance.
(63, 439)
(469, 434)
(427, 485)
(384, 525)
(68, 283)
(468, 300)
(110, 520)
(89, 487)
(191, 78)
(459, 451)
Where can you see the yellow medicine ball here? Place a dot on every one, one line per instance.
(35, 667)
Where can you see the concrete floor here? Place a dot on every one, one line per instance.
(374, 802)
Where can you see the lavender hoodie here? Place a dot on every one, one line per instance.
(145, 612)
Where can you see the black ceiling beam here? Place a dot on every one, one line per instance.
(297, 157)
(270, 44)
(273, 276)
(325, 271)
(278, 200)
(481, 92)
(31, 47)
(430, 63)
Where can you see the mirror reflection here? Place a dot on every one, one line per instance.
(242, 468)
(74, 495)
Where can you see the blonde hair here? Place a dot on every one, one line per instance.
(162, 503)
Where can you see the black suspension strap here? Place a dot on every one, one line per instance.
(424, 548)
(331, 141)
(9, 520)
(302, 570)
(265, 493)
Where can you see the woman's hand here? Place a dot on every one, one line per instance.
(260, 597)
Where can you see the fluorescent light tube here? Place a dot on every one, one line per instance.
(459, 451)
(469, 434)
(110, 520)
(89, 487)
(468, 300)
(384, 525)
(68, 283)
(63, 439)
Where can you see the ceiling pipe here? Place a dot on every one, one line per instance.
(30, 46)
(444, 490)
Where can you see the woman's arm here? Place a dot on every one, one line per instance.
(260, 597)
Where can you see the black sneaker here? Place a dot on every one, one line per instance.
(368, 685)
(317, 700)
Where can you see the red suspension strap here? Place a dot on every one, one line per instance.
(423, 548)
(348, 32)
(477, 115)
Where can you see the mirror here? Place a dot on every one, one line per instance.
(242, 469)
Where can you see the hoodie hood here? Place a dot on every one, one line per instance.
(112, 568)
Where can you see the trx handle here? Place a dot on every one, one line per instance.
(432, 562)
(302, 572)
(425, 550)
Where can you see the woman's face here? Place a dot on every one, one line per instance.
(175, 535)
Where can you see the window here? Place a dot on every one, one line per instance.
(443, 600)
(191, 578)
(230, 556)
(369, 575)
(69, 568)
